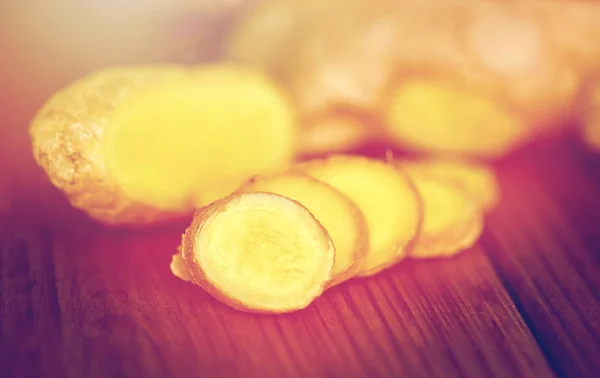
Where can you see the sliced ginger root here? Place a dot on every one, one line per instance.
(337, 213)
(432, 116)
(477, 179)
(385, 196)
(134, 145)
(67, 135)
(259, 252)
(537, 76)
(139, 145)
(452, 221)
(191, 141)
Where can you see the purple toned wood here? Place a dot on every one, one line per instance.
(80, 300)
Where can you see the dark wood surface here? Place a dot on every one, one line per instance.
(79, 300)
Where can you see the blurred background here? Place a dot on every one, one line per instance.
(475, 78)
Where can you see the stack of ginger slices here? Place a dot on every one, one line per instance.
(280, 240)
(138, 145)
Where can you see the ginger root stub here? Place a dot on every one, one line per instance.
(342, 219)
(129, 145)
(385, 196)
(258, 252)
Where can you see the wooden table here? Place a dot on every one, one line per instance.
(79, 300)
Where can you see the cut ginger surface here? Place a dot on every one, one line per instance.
(337, 213)
(385, 196)
(191, 141)
(137, 145)
(258, 252)
(432, 116)
(452, 220)
(477, 179)
(67, 135)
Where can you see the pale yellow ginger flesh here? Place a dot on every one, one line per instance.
(67, 136)
(337, 213)
(533, 56)
(477, 179)
(432, 116)
(385, 196)
(452, 220)
(192, 140)
(259, 252)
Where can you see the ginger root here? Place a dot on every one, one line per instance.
(477, 179)
(280, 240)
(433, 116)
(452, 221)
(137, 145)
(337, 213)
(258, 252)
(379, 52)
(385, 196)
(322, 61)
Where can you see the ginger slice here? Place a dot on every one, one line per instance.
(259, 252)
(192, 140)
(478, 179)
(432, 116)
(385, 196)
(337, 213)
(335, 134)
(452, 221)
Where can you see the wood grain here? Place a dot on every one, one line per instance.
(102, 304)
(79, 300)
(86, 301)
(544, 242)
